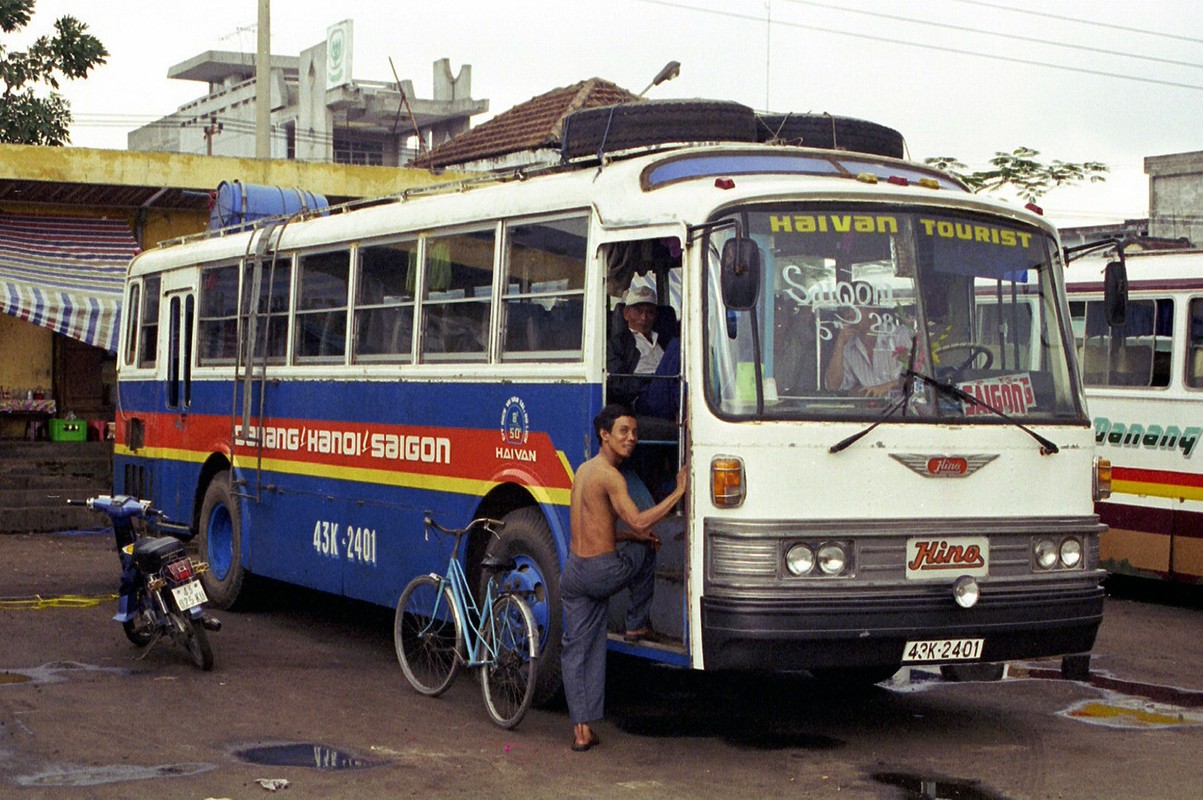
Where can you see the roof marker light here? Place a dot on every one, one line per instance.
(867, 177)
(1035, 209)
(928, 183)
(724, 183)
(898, 180)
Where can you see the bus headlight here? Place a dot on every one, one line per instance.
(1071, 552)
(1102, 479)
(727, 481)
(1045, 551)
(832, 559)
(799, 559)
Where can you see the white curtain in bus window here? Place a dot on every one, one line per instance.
(271, 317)
(149, 333)
(218, 315)
(321, 319)
(543, 293)
(456, 296)
(384, 308)
(1137, 353)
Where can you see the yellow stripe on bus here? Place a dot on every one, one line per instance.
(1149, 489)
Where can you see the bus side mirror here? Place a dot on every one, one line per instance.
(1115, 293)
(740, 276)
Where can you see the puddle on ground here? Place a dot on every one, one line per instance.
(927, 787)
(1125, 704)
(53, 672)
(303, 754)
(69, 775)
(1117, 711)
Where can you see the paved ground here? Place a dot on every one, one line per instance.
(316, 679)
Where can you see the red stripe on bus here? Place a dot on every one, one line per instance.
(440, 452)
(1167, 477)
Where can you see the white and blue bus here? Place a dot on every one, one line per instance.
(303, 392)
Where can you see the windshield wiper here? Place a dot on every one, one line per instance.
(1046, 446)
(908, 386)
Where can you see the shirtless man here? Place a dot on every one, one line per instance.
(602, 561)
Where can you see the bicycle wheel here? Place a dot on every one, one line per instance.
(508, 679)
(429, 635)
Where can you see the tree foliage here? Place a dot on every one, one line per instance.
(1020, 171)
(31, 109)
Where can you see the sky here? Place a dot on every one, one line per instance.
(1076, 80)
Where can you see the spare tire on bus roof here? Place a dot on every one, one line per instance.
(650, 122)
(831, 133)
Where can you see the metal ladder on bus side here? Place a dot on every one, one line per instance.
(250, 320)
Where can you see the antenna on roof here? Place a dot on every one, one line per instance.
(405, 104)
(671, 70)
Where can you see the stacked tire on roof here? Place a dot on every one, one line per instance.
(626, 126)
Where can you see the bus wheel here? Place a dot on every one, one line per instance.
(832, 133)
(219, 536)
(527, 539)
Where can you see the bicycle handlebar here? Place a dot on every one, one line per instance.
(480, 522)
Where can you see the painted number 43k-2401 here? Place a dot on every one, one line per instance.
(350, 542)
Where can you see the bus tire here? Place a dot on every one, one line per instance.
(830, 133)
(219, 540)
(650, 122)
(527, 539)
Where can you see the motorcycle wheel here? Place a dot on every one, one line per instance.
(139, 634)
(195, 638)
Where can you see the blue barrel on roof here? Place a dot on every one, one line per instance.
(238, 204)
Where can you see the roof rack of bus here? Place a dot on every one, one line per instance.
(446, 187)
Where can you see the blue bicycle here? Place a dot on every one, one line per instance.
(439, 627)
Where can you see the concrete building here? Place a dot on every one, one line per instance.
(1176, 196)
(319, 112)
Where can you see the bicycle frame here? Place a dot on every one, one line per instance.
(475, 617)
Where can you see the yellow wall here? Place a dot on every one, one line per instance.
(28, 353)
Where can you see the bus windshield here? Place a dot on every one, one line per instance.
(852, 297)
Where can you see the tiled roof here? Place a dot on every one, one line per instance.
(532, 125)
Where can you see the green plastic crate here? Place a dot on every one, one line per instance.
(68, 430)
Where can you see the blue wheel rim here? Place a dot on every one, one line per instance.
(527, 579)
(220, 542)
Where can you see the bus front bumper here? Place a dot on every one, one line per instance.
(865, 632)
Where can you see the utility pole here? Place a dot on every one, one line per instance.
(263, 95)
(212, 129)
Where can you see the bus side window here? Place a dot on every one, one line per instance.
(321, 318)
(218, 324)
(544, 288)
(131, 324)
(384, 308)
(457, 296)
(148, 333)
(1194, 351)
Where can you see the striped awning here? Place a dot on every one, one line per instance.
(65, 274)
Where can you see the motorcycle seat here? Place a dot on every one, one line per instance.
(151, 553)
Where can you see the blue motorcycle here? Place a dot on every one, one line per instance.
(161, 594)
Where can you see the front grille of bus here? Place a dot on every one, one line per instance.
(745, 558)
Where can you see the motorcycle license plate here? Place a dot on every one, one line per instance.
(189, 596)
(942, 650)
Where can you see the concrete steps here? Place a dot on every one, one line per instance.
(37, 478)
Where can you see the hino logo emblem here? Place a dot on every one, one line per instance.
(940, 466)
